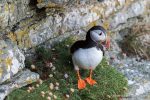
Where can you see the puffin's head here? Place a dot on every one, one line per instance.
(98, 34)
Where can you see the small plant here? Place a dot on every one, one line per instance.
(134, 43)
(43, 54)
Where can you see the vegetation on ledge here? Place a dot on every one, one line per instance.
(60, 81)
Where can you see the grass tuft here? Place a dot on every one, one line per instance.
(134, 44)
(110, 83)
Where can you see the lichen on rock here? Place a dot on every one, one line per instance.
(11, 60)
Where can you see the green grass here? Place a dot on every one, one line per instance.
(109, 81)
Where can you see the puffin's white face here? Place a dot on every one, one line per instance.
(98, 35)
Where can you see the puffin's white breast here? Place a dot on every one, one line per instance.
(86, 58)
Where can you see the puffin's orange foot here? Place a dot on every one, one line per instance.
(90, 81)
(81, 84)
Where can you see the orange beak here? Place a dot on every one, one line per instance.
(107, 42)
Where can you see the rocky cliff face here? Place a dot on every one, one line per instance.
(12, 60)
(30, 23)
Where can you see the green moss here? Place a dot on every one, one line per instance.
(109, 81)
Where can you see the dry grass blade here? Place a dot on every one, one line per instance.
(138, 41)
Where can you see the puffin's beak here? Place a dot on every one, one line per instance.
(107, 42)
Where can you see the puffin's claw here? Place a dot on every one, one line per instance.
(81, 84)
(90, 81)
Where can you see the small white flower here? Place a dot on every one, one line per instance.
(67, 45)
(124, 55)
(42, 93)
(67, 95)
(37, 85)
(28, 91)
(48, 98)
(30, 88)
(33, 67)
(55, 97)
(66, 76)
(33, 87)
(53, 68)
(69, 62)
(53, 49)
(49, 64)
(40, 81)
(54, 58)
(50, 93)
(124, 88)
(51, 86)
(50, 75)
(57, 83)
(72, 90)
(108, 96)
(56, 88)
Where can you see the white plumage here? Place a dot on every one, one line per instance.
(87, 58)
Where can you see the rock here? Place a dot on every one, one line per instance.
(137, 8)
(12, 75)
(19, 80)
(136, 72)
(76, 18)
(46, 20)
(11, 60)
(135, 69)
(55, 26)
(13, 11)
(62, 3)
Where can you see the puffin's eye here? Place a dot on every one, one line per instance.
(100, 33)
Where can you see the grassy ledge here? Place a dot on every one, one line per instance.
(110, 83)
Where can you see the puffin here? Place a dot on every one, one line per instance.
(88, 53)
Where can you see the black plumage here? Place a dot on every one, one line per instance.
(84, 45)
(88, 43)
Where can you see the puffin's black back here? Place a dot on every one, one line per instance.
(88, 43)
(82, 44)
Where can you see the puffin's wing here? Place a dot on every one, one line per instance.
(76, 46)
